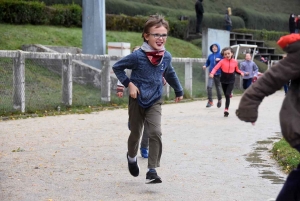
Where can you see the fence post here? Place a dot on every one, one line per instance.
(19, 82)
(67, 83)
(166, 91)
(105, 80)
(188, 74)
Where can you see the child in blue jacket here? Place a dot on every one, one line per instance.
(149, 65)
(211, 62)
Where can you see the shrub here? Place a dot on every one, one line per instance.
(212, 20)
(178, 28)
(20, 12)
(257, 20)
(133, 8)
(263, 34)
(66, 15)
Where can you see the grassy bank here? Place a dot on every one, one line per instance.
(43, 88)
(14, 36)
(287, 157)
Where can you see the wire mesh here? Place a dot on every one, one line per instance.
(6, 85)
(42, 84)
(86, 88)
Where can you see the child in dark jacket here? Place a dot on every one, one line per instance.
(148, 64)
(273, 80)
(145, 137)
(211, 62)
(229, 67)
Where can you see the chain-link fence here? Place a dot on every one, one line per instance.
(31, 81)
(6, 84)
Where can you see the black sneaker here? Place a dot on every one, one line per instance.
(152, 178)
(219, 104)
(209, 104)
(133, 167)
(226, 113)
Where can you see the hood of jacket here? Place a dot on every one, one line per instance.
(210, 48)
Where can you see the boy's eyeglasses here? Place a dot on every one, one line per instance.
(164, 36)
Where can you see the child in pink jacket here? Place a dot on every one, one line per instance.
(229, 67)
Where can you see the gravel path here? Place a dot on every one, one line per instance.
(82, 157)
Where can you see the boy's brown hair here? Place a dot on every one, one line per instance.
(155, 20)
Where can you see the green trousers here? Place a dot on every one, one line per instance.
(137, 117)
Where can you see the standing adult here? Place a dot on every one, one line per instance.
(199, 14)
(228, 22)
(292, 23)
(297, 24)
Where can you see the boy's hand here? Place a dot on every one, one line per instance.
(242, 74)
(178, 99)
(120, 94)
(218, 59)
(133, 90)
(164, 81)
(204, 67)
(211, 75)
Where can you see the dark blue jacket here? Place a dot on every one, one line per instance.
(211, 60)
(147, 77)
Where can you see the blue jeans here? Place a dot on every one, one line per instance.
(247, 83)
(228, 27)
(286, 88)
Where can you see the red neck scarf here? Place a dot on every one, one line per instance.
(154, 56)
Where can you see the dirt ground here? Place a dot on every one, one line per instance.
(82, 157)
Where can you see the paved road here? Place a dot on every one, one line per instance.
(82, 157)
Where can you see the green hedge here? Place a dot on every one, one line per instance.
(257, 20)
(23, 12)
(133, 8)
(178, 28)
(216, 21)
(54, 2)
(210, 20)
(34, 12)
(263, 34)
(66, 15)
(20, 12)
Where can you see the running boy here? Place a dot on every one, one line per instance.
(211, 62)
(273, 80)
(250, 70)
(145, 141)
(149, 64)
(229, 67)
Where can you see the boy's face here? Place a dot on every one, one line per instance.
(227, 54)
(214, 48)
(248, 57)
(156, 37)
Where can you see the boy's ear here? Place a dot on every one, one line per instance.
(146, 36)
